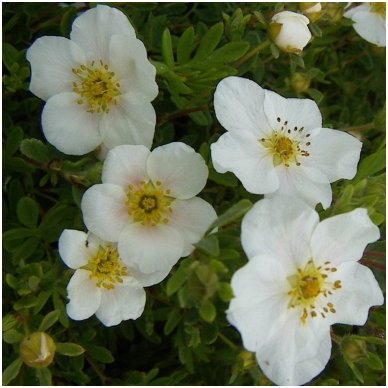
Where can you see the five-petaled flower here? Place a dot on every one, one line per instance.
(302, 276)
(277, 145)
(147, 204)
(98, 86)
(102, 284)
(369, 21)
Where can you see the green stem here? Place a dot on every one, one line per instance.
(253, 52)
(363, 127)
(104, 379)
(228, 342)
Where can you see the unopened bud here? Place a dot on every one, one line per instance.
(300, 82)
(311, 10)
(353, 349)
(334, 11)
(37, 350)
(248, 359)
(289, 31)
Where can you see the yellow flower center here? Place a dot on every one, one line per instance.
(106, 268)
(308, 289)
(97, 87)
(378, 7)
(149, 204)
(284, 148)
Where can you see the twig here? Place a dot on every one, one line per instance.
(252, 53)
(104, 379)
(372, 264)
(363, 127)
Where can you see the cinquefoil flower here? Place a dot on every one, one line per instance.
(98, 86)
(289, 31)
(369, 22)
(302, 277)
(102, 284)
(147, 204)
(277, 145)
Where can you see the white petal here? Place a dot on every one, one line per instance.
(93, 30)
(343, 237)
(359, 291)
(191, 218)
(68, 126)
(296, 353)
(179, 168)
(242, 154)
(306, 183)
(126, 164)
(334, 153)
(84, 296)
(149, 279)
(150, 249)
(128, 59)
(280, 227)
(292, 112)
(238, 104)
(51, 59)
(104, 211)
(72, 248)
(131, 121)
(120, 304)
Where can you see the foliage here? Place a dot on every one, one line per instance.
(183, 336)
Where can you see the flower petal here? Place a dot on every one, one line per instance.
(149, 279)
(130, 121)
(191, 218)
(359, 291)
(72, 248)
(291, 112)
(238, 104)
(179, 168)
(241, 154)
(120, 304)
(343, 237)
(128, 58)
(280, 227)
(306, 183)
(150, 249)
(85, 297)
(51, 59)
(68, 126)
(93, 30)
(334, 153)
(104, 211)
(126, 164)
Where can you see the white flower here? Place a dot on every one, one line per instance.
(289, 31)
(302, 276)
(369, 22)
(98, 86)
(147, 204)
(277, 145)
(309, 8)
(102, 284)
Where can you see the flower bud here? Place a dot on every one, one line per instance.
(289, 31)
(37, 350)
(353, 349)
(248, 359)
(300, 82)
(311, 10)
(334, 11)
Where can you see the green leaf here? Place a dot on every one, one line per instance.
(25, 250)
(12, 336)
(28, 212)
(209, 245)
(99, 353)
(227, 179)
(8, 322)
(232, 214)
(69, 349)
(230, 52)
(13, 141)
(25, 302)
(207, 311)
(185, 45)
(209, 41)
(44, 376)
(176, 281)
(49, 320)
(371, 165)
(12, 371)
(374, 362)
(316, 31)
(35, 150)
(370, 339)
(225, 292)
(172, 321)
(167, 53)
